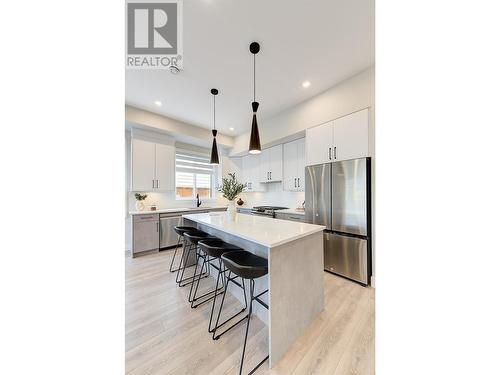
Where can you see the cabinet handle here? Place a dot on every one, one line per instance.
(157, 184)
(153, 183)
(295, 182)
(157, 226)
(298, 179)
(335, 152)
(330, 153)
(270, 175)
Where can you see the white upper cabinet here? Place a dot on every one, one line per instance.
(294, 165)
(271, 164)
(165, 167)
(251, 173)
(143, 165)
(153, 166)
(350, 136)
(319, 144)
(341, 139)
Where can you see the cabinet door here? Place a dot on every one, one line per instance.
(254, 171)
(350, 135)
(301, 164)
(146, 235)
(165, 167)
(264, 165)
(319, 144)
(246, 175)
(290, 166)
(276, 163)
(143, 165)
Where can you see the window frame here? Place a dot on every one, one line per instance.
(213, 173)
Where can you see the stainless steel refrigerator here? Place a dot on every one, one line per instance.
(338, 196)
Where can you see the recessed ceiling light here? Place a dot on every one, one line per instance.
(232, 129)
(306, 84)
(158, 103)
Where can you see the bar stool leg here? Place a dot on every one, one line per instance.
(217, 325)
(215, 292)
(252, 288)
(248, 325)
(175, 253)
(215, 297)
(198, 256)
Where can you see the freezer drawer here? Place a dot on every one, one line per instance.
(347, 256)
(168, 237)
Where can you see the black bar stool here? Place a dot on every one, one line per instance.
(180, 230)
(213, 249)
(247, 266)
(192, 237)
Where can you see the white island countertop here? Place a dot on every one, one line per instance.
(262, 230)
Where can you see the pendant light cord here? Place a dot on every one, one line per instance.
(254, 77)
(214, 112)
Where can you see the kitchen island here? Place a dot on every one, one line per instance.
(295, 279)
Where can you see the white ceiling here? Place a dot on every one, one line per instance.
(323, 42)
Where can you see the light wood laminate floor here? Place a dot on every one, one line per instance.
(163, 335)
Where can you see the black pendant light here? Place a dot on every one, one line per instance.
(214, 157)
(254, 147)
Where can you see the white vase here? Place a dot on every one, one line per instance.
(231, 210)
(139, 205)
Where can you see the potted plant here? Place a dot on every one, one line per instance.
(139, 198)
(230, 189)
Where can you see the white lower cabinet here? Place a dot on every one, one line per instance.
(294, 165)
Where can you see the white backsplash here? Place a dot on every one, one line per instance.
(274, 196)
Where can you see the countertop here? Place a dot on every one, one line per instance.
(262, 230)
(176, 209)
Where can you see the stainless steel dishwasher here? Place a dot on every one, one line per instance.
(168, 221)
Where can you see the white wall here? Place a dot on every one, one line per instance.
(274, 196)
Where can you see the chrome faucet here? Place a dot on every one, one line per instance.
(198, 202)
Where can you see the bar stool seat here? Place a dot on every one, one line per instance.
(181, 229)
(216, 247)
(196, 235)
(245, 264)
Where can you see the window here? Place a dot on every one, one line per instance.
(193, 175)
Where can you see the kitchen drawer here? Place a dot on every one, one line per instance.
(145, 217)
(291, 217)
